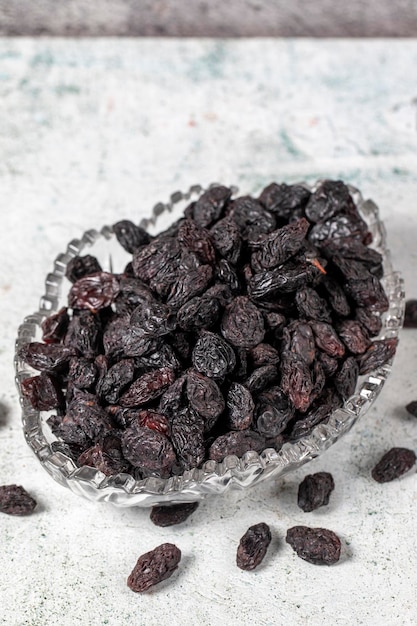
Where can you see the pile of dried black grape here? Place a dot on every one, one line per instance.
(242, 326)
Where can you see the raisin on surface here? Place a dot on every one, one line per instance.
(411, 407)
(172, 514)
(153, 567)
(253, 546)
(315, 545)
(314, 491)
(15, 500)
(410, 317)
(393, 464)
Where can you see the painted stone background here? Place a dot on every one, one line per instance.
(95, 131)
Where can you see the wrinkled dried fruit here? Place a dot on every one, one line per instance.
(15, 500)
(253, 546)
(315, 545)
(393, 464)
(314, 491)
(153, 567)
(172, 514)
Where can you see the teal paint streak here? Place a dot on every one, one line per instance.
(63, 90)
(210, 65)
(43, 58)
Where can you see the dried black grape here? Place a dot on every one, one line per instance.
(199, 312)
(327, 339)
(118, 377)
(299, 339)
(311, 306)
(130, 236)
(315, 545)
(83, 334)
(163, 356)
(82, 373)
(55, 326)
(412, 408)
(393, 464)
(370, 320)
(81, 266)
(106, 456)
(240, 406)
(197, 240)
(314, 491)
(251, 217)
(339, 227)
(187, 436)
(213, 356)
(188, 285)
(296, 380)
(172, 514)
(210, 205)
(15, 500)
(173, 398)
(284, 200)
(204, 397)
(283, 279)
(147, 387)
(154, 567)
(153, 319)
(377, 355)
(43, 392)
(329, 199)
(226, 239)
(410, 317)
(146, 448)
(276, 248)
(336, 296)
(227, 275)
(261, 378)
(264, 354)
(93, 292)
(253, 546)
(242, 323)
(346, 378)
(237, 443)
(274, 411)
(46, 357)
(354, 336)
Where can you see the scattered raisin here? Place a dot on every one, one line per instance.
(393, 464)
(253, 546)
(172, 514)
(15, 500)
(315, 545)
(153, 567)
(314, 491)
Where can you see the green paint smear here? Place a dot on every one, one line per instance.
(42, 58)
(63, 90)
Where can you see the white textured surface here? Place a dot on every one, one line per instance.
(94, 131)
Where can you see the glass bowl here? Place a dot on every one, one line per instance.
(213, 477)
